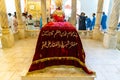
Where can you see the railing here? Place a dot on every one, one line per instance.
(31, 33)
(35, 33)
(118, 40)
(85, 34)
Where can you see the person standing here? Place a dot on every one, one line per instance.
(30, 21)
(103, 22)
(15, 24)
(10, 20)
(24, 20)
(118, 26)
(88, 23)
(51, 18)
(93, 22)
(82, 18)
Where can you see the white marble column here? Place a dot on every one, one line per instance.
(97, 35)
(73, 13)
(21, 27)
(7, 37)
(48, 2)
(110, 39)
(25, 6)
(109, 11)
(43, 10)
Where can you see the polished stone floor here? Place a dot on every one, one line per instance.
(15, 61)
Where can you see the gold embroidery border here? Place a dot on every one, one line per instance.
(59, 58)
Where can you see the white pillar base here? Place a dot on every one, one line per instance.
(118, 36)
(110, 41)
(61, 73)
(97, 35)
(118, 39)
(7, 40)
(21, 33)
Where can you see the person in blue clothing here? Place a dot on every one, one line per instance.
(88, 23)
(93, 21)
(40, 21)
(103, 22)
(118, 26)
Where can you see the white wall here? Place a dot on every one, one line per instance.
(90, 6)
(10, 6)
(106, 6)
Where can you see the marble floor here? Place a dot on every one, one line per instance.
(15, 61)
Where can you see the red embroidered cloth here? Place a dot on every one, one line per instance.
(58, 44)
